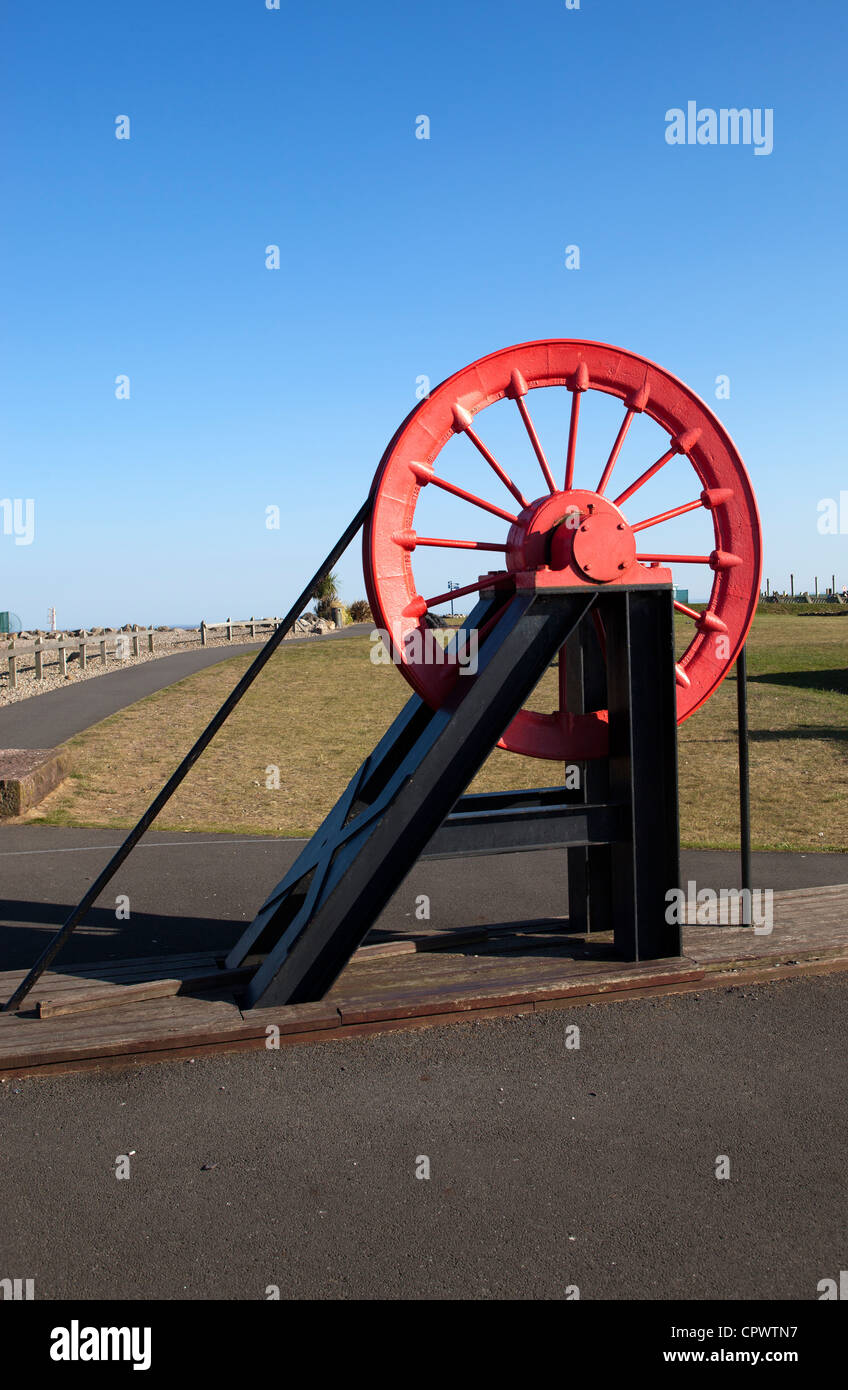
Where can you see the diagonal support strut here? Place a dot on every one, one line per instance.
(64, 933)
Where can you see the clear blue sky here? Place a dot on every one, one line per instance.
(400, 257)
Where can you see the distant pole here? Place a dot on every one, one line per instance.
(792, 585)
(833, 583)
(744, 781)
(767, 588)
(816, 583)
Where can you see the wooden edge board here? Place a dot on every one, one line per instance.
(86, 1001)
(185, 1051)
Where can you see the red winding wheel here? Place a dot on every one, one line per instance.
(565, 534)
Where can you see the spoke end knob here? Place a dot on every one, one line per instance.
(712, 497)
(724, 560)
(462, 419)
(517, 386)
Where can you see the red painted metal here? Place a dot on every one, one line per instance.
(423, 474)
(462, 422)
(516, 391)
(669, 515)
(547, 545)
(409, 540)
(578, 385)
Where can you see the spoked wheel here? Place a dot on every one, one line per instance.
(587, 527)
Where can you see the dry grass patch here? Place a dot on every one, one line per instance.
(317, 710)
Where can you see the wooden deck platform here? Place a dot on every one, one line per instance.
(92, 1016)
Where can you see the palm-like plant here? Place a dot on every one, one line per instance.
(326, 595)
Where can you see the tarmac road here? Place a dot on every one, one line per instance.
(195, 892)
(549, 1166)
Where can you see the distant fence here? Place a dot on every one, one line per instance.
(85, 648)
(100, 646)
(253, 625)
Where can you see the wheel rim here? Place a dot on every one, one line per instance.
(616, 524)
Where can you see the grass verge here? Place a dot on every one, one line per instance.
(317, 710)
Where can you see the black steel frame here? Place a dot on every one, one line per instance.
(406, 801)
(619, 827)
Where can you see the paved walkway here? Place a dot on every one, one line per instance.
(549, 1166)
(44, 721)
(195, 892)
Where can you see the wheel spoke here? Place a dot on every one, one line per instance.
(635, 403)
(711, 497)
(707, 621)
(675, 559)
(667, 516)
(484, 583)
(462, 425)
(425, 474)
(409, 540)
(535, 441)
(615, 451)
(682, 445)
(581, 382)
(717, 559)
(688, 612)
(643, 478)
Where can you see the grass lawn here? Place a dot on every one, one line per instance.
(317, 710)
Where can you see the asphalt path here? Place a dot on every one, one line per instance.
(45, 721)
(192, 892)
(549, 1166)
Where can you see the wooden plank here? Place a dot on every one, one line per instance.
(64, 992)
(384, 948)
(118, 970)
(715, 945)
(228, 1038)
(140, 1027)
(471, 995)
(87, 1001)
(479, 972)
(148, 1026)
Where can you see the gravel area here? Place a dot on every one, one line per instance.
(166, 643)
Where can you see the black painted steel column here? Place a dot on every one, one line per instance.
(744, 780)
(589, 868)
(643, 768)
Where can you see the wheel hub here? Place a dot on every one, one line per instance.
(575, 530)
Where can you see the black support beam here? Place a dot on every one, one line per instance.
(406, 801)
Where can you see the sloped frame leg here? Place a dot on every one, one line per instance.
(314, 921)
